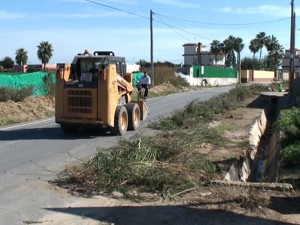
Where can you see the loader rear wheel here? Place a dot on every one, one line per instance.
(134, 115)
(121, 121)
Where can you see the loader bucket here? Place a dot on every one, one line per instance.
(143, 109)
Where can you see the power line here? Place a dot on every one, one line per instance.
(175, 28)
(189, 21)
(121, 10)
(224, 24)
(214, 25)
(145, 17)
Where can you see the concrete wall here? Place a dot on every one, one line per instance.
(212, 81)
(263, 75)
(198, 81)
(258, 76)
(240, 171)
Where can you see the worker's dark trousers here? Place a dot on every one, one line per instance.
(146, 89)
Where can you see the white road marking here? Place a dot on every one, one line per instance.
(25, 124)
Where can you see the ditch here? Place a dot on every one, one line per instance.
(260, 162)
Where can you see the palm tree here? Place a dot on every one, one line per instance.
(261, 39)
(216, 47)
(238, 47)
(254, 47)
(275, 52)
(44, 52)
(21, 57)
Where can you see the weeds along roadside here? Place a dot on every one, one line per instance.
(289, 125)
(167, 163)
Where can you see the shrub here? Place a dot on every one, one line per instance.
(289, 125)
(32, 69)
(290, 155)
(167, 74)
(16, 95)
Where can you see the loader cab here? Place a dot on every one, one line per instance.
(85, 67)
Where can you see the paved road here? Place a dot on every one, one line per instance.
(32, 154)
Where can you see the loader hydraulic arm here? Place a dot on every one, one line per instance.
(124, 84)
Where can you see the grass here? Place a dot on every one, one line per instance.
(202, 112)
(7, 122)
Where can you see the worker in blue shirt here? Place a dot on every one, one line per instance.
(144, 82)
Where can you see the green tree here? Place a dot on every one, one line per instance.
(143, 63)
(8, 63)
(21, 57)
(44, 52)
(229, 46)
(216, 47)
(248, 63)
(165, 63)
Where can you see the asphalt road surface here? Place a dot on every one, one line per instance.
(32, 154)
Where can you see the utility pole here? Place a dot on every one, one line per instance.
(239, 65)
(292, 49)
(151, 48)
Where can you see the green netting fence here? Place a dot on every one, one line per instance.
(36, 80)
(136, 77)
(25, 80)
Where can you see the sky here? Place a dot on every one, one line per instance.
(123, 26)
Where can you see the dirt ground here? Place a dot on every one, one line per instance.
(209, 204)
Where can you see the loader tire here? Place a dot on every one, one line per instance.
(134, 115)
(121, 121)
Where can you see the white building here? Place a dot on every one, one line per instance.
(194, 54)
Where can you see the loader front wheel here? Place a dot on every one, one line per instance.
(121, 121)
(134, 115)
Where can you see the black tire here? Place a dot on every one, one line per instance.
(121, 121)
(134, 115)
(69, 129)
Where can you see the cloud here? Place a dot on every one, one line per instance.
(4, 15)
(177, 3)
(272, 10)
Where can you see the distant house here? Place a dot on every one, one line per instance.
(201, 68)
(286, 63)
(195, 54)
(286, 70)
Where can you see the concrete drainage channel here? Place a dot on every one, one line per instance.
(259, 165)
